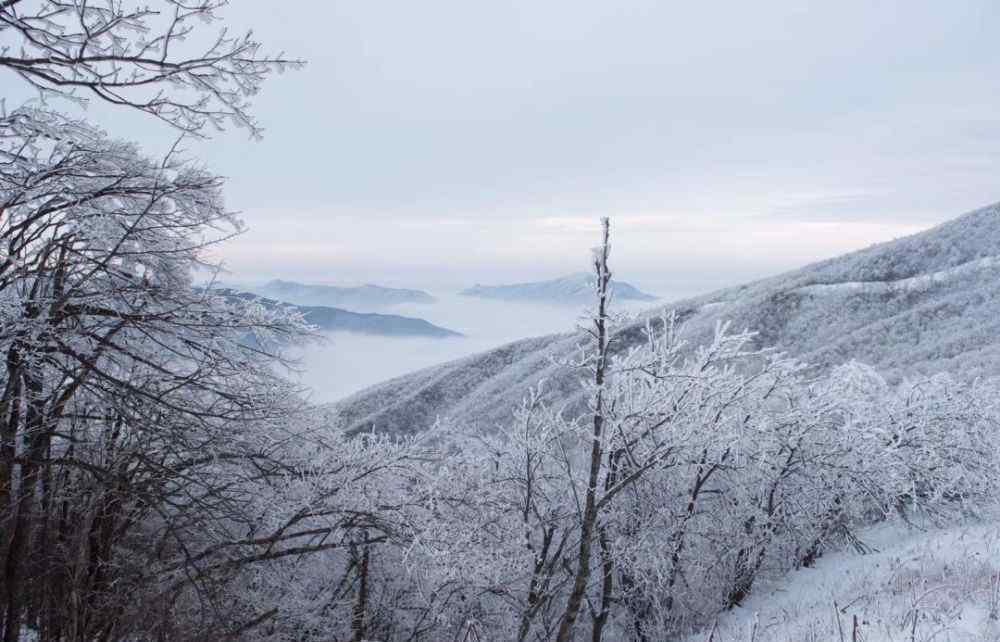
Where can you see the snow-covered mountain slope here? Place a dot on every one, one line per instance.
(355, 298)
(910, 307)
(914, 585)
(573, 290)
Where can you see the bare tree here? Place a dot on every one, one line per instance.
(693, 471)
(131, 399)
(158, 59)
(588, 522)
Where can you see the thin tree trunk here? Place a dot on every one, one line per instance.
(17, 552)
(8, 452)
(590, 512)
(359, 617)
(607, 586)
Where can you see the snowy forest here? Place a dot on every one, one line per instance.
(164, 478)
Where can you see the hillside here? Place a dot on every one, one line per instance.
(568, 290)
(357, 298)
(917, 584)
(910, 307)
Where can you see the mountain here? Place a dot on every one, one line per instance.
(911, 307)
(573, 289)
(358, 298)
(328, 318)
(336, 319)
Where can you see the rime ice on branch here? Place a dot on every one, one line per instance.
(161, 58)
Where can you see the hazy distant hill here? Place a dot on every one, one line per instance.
(372, 323)
(573, 289)
(910, 307)
(336, 319)
(358, 298)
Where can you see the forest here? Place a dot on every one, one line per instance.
(162, 477)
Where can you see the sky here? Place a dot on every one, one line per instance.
(441, 143)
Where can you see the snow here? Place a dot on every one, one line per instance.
(919, 283)
(948, 579)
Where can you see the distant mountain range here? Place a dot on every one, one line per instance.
(910, 307)
(573, 289)
(331, 319)
(328, 318)
(357, 298)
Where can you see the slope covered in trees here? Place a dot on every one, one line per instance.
(911, 307)
(935, 582)
(686, 476)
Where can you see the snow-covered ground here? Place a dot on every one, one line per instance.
(911, 284)
(919, 585)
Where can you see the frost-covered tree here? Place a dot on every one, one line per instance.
(160, 58)
(693, 471)
(558, 517)
(138, 411)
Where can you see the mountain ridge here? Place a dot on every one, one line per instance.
(355, 297)
(331, 319)
(571, 289)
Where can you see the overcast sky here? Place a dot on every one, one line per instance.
(456, 141)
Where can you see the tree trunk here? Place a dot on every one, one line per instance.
(359, 616)
(17, 552)
(590, 512)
